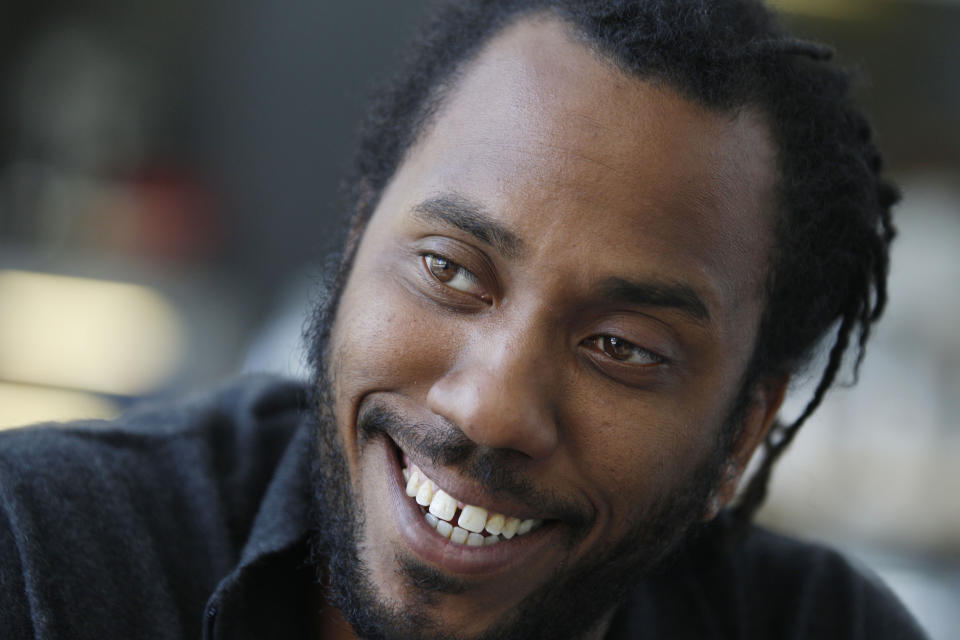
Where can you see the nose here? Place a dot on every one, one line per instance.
(499, 394)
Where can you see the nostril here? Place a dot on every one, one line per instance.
(495, 414)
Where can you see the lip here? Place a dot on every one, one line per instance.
(450, 556)
(468, 492)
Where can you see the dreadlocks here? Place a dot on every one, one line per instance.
(833, 227)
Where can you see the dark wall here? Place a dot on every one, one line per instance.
(279, 94)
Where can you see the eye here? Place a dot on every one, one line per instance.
(454, 276)
(624, 351)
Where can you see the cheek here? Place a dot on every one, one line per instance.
(383, 339)
(635, 453)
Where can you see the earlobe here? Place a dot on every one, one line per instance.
(757, 421)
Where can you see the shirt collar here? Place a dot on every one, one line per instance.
(270, 584)
(284, 515)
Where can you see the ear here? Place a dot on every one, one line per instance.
(766, 398)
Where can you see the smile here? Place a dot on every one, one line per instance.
(452, 525)
(475, 526)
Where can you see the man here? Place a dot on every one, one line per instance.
(590, 242)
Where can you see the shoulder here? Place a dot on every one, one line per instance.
(819, 590)
(155, 504)
(232, 435)
(237, 418)
(766, 586)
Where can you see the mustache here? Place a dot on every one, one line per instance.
(443, 443)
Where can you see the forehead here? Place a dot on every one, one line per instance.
(599, 170)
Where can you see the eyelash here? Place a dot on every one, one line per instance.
(603, 344)
(460, 275)
(607, 343)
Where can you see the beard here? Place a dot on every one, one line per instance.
(568, 605)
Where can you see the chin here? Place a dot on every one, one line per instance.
(392, 575)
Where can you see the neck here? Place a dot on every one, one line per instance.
(599, 631)
(330, 625)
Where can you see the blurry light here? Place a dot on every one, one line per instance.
(22, 405)
(88, 334)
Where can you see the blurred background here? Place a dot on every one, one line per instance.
(168, 182)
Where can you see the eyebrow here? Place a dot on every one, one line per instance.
(676, 296)
(468, 216)
(461, 213)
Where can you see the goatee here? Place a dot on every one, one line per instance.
(568, 605)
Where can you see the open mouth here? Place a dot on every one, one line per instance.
(449, 522)
(457, 521)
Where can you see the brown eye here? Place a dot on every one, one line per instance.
(441, 268)
(454, 276)
(616, 348)
(623, 351)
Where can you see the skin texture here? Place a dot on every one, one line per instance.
(553, 179)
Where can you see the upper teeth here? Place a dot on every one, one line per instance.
(473, 520)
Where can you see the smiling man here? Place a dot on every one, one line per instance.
(590, 242)
(546, 329)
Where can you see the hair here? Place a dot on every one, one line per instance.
(832, 232)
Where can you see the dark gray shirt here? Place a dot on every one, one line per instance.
(191, 520)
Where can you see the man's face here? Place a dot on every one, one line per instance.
(549, 315)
